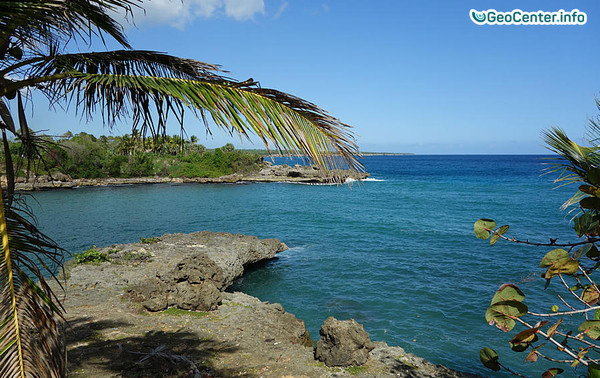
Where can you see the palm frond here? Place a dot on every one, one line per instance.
(573, 164)
(29, 334)
(290, 123)
(35, 23)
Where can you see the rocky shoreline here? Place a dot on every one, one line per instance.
(269, 173)
(160, 309)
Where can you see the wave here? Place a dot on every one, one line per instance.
(350, 180)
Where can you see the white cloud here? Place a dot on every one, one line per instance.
(244, 9)
(179, 13)
(281, 9)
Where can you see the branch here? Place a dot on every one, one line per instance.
(565, 312)
(551, 244)
(558, 345)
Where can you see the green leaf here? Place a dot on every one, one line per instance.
(489, 359)
(583, 251)
(502, 314)
(593, 252)
(496, 235)
(553, 256)
(508, 292)
(590, 295)
(552, 372)
(533, 356)
(597, 314)
(522, 340)
(483, 227)
(553, 328)
(593, 370)
(564, 266)
(591, 328)
(592, 203)
(585, 224)
(593, 176)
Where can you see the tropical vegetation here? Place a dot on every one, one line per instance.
(567, 332)
(85, 156)
(38, 42)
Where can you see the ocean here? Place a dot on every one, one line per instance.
(395, 252)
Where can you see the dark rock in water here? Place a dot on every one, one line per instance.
(343, 343)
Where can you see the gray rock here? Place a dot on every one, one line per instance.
(189, 271)
(343, 343)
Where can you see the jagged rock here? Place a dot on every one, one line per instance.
(343, 343)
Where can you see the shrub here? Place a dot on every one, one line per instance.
(91, 256)
(572, 266)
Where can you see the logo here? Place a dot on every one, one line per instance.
(520, 17)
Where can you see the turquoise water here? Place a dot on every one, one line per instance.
(397, 254)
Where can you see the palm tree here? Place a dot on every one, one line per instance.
(148, 87)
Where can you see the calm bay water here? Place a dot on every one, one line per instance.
(397, 253)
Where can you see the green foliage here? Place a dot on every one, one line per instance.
(483, 228)
(489, 358)
(85, 156)
(151, 240)
(91, 256)
(573, 266)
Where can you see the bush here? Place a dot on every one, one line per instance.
(572, 266)
(91, 256)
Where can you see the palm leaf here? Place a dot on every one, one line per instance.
(29, 334)
(573, 162)
(37, 23)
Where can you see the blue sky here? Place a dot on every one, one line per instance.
(410, 76)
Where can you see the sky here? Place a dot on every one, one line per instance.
(409, 76)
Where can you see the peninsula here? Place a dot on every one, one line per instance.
(162, 307)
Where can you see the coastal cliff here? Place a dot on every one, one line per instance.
(128, 316)
(269, 173)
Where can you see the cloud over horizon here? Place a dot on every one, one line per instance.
(180, 13)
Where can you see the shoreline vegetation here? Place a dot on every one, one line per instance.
(162, 307)
(71, 161)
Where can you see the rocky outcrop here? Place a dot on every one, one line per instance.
(112, 333)
(188, 271)
(343, 343)
(269, 173)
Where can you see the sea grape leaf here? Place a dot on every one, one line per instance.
(508, 292)
(590, 295)
(593, 252)
(593, 176)
(553, 328)
(482, 228)
(583, 251)
(585, 224)
(597, 314)
(591, 328)
(496, 235)
(552, 372)
(565, 266)
(593, 370)
(522, 340)
(553, 256)
(533, 356)
(502, 314)
(489, 359)
(590, 203)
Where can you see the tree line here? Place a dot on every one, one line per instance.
(85, 156)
